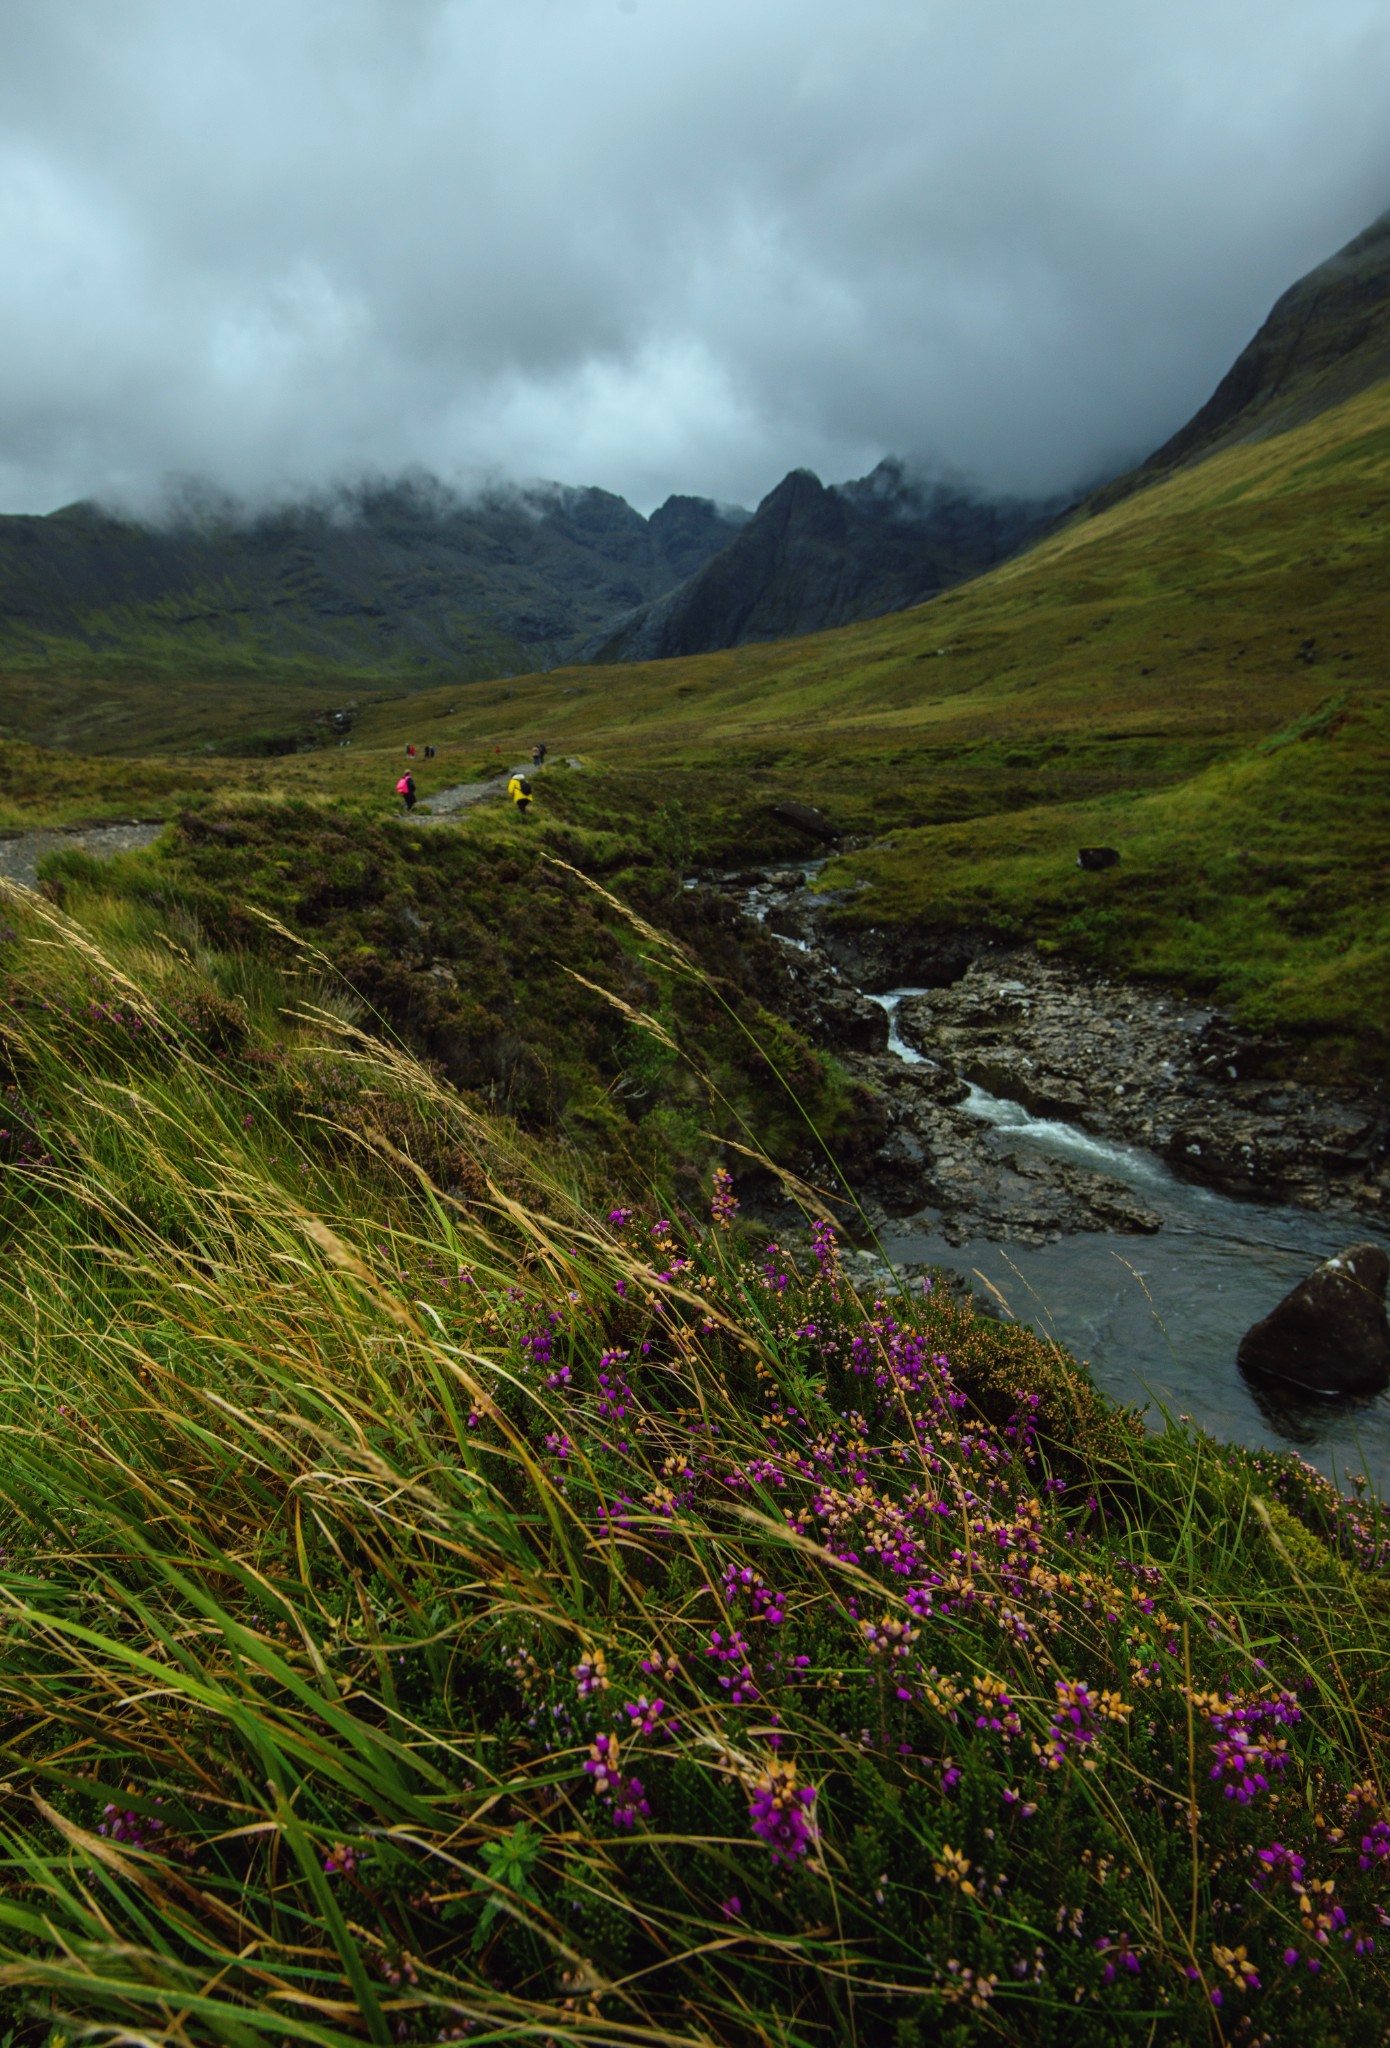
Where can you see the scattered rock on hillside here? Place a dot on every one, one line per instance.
(1329, 1336)
(1094, 858)
(806, 818)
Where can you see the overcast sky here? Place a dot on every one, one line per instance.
(658, 245)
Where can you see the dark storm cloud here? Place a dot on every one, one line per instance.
(655, 244)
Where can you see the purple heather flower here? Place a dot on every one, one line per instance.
(623, 1794)
(1118, 1956)
(780, 1812)
(135, 1830)
(826, 1247)
(1375, 1847)
(646, 1717)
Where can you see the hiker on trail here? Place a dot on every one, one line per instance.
(537, 756)
(411, 752)
(519, 790)
(405, 789)
(541, 752)
(429, 753)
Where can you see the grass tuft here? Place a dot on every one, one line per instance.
(487, 1610)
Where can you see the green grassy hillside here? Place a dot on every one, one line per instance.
(1195, 677)
(223, 626)
(447, 1594)
(1326, 338)
(443, 1601)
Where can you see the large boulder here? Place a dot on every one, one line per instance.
(806, 818)
(1329, 1336)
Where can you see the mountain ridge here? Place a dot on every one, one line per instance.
(404, 571)
(814, 556)
(1326, 338)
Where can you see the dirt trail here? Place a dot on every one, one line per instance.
(21, 852)
(447, 803)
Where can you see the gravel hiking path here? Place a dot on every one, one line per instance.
(21, 852)
(447, 803)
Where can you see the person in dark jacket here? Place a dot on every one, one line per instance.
(405, 789)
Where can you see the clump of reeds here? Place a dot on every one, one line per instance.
(466, 1614)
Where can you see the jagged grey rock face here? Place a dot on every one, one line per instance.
(1329, 1335)
(813, 556)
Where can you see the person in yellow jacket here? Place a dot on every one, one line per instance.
(519, 790)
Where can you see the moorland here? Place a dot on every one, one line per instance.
(463, 1581)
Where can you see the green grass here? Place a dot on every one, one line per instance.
(1195, 676)
(386, 1420)
(366, 1473)
(492, 956)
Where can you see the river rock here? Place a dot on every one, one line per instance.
(879, 958)
(1329, 1336)
(1153, 1069)
(1128, 1063)
(831, 1012)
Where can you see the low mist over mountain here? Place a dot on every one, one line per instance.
(406, 572)
(409, 579)
(812, 557)
(1326, 338)
(515, 579)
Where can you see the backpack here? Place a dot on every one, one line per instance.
(403, 787)
(523, 785)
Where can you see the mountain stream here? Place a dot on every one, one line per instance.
(1158, 1318)
(1156, 1309)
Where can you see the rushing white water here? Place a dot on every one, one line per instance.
(889, 1005)
(1159, 1319)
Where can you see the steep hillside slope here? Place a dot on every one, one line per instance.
(443, 1603)
(1194, 677)
(1326, 338)
(812, 557)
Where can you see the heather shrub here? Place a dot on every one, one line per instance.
(506, 1613)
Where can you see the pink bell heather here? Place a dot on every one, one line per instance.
(780, 1811)
(723, 1202)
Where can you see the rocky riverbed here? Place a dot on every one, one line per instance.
(944, 1028)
